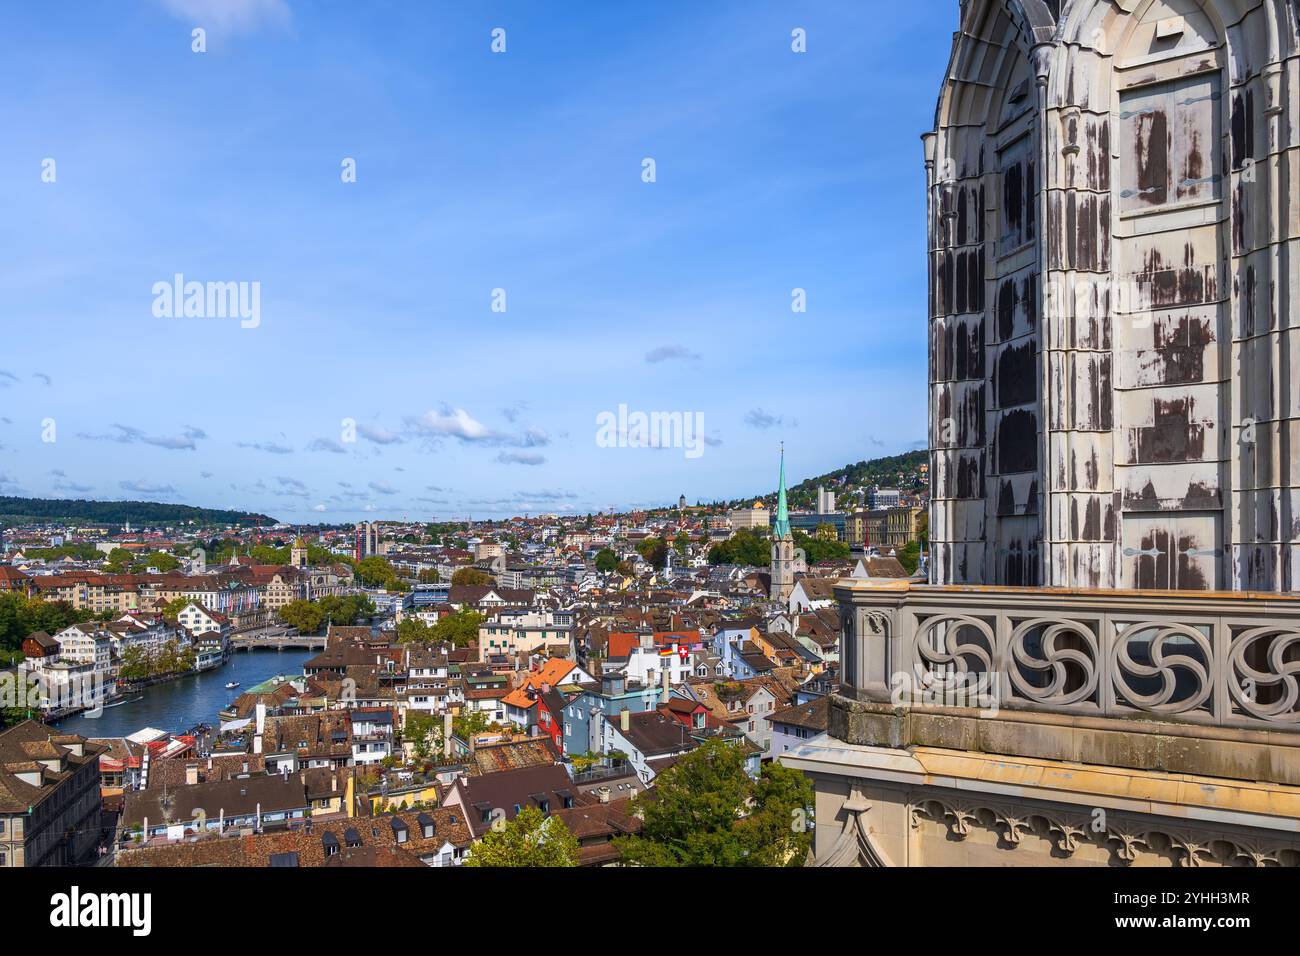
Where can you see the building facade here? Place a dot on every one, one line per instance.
(1113, 347)
(50, 806)
(1113, 368)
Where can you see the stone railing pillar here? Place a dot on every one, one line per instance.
(874, 638)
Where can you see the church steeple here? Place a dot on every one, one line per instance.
(783, 550)
(781, 526)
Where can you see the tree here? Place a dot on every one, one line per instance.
(469, 723)
(172, 609)
(654, 550)
(411, 630)
(377, 572)
(530, 839)
(304, 615)
(118, 560)
(472, 577)
(346, 609)
(266, 554)
(707, 811)
(606, 560)
(162, 561)
(21, 615)
(423, 730)
(457, 628)
(820, 549)
(682, 543)
(745, 547)
(430, 576)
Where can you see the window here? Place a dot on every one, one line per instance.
(1019, 191)
(1169, 149)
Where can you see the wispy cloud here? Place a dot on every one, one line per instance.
(757, 418)
(269, 447)
(670, 353)
(327, 444)
(512, 412)
(291, 487)
(129, 435)
(146, 488)
(520, 458)
(230, 16)
(382, 487)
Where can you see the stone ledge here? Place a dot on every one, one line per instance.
(1137, 745)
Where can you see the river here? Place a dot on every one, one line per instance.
(178, 705)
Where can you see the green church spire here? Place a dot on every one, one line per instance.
(781, 526)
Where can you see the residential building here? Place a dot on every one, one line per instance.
(50, 806)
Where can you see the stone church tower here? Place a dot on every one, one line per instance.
(298, 553)
(1114, 227)
(783, 551)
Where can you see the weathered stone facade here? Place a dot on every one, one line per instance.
(1114, 351)
(1115, 409)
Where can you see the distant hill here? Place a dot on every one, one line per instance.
(894, 471)
(16, 511)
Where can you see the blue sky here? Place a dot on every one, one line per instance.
(475, 171)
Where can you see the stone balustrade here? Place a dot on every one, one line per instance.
(1224, 660)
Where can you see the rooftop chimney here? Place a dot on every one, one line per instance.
(603, 794)
(667, 682)
(625, 721)
(191, 774)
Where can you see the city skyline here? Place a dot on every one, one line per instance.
(520, 171)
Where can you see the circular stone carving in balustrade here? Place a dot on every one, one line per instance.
(1167, 662)
(947, 652)
(1054, 660)
(1244, 681)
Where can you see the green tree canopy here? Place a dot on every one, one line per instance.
(306, 616)
(745, 547)
(377, 572)
(606, 560)
(21, 615)
(472, 577)
(458, 628)
(654, 550)
(821, 549)
(707, 811)
(530, 839)
(411, 630)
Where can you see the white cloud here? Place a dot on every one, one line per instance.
(230, 16)
(378, 434)
(454, 423)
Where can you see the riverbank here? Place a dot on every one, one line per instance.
(189, 699)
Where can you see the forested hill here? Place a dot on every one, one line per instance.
(894, 471)
(15, 511)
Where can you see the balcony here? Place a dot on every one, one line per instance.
(1138, 679)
